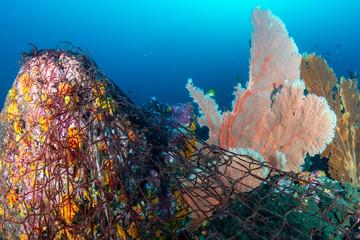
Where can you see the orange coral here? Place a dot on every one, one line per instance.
(12, 197)
(344, 99)
(74, 140)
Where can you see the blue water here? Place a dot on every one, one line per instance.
(150, 48)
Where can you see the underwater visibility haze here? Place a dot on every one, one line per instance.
(151, 48)
(122, 123)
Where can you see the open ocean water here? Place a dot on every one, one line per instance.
(150, 48)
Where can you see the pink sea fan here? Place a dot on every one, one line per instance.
(272, 115)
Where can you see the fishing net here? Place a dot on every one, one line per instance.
(80, 161)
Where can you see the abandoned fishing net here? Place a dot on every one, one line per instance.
(80, 161)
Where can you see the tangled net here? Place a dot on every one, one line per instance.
(80, 161)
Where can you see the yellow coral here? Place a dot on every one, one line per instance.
(25, 83)
(121, 232)
(99, 90)
(67, 99)
(28, 97)
(65, 232)
(97, 102)
(68, 209)
(12, 93)
(24, 236)
(44, 97)
(106, 104)
(13, 110)
(24, 90)
(17, 126)
(43, 123)
(193, 126)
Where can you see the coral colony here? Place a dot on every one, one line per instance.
(80, 161)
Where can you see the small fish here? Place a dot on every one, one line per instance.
(239, 79)
(352, 74)
(211, 93)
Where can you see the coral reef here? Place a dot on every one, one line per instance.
(344, 98)
(78, 160)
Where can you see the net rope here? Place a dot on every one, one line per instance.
(79, 160)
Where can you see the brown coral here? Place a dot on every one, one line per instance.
(344, 99)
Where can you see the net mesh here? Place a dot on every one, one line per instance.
(80, 161)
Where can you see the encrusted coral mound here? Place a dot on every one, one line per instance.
(72, 161)
(54, 145)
